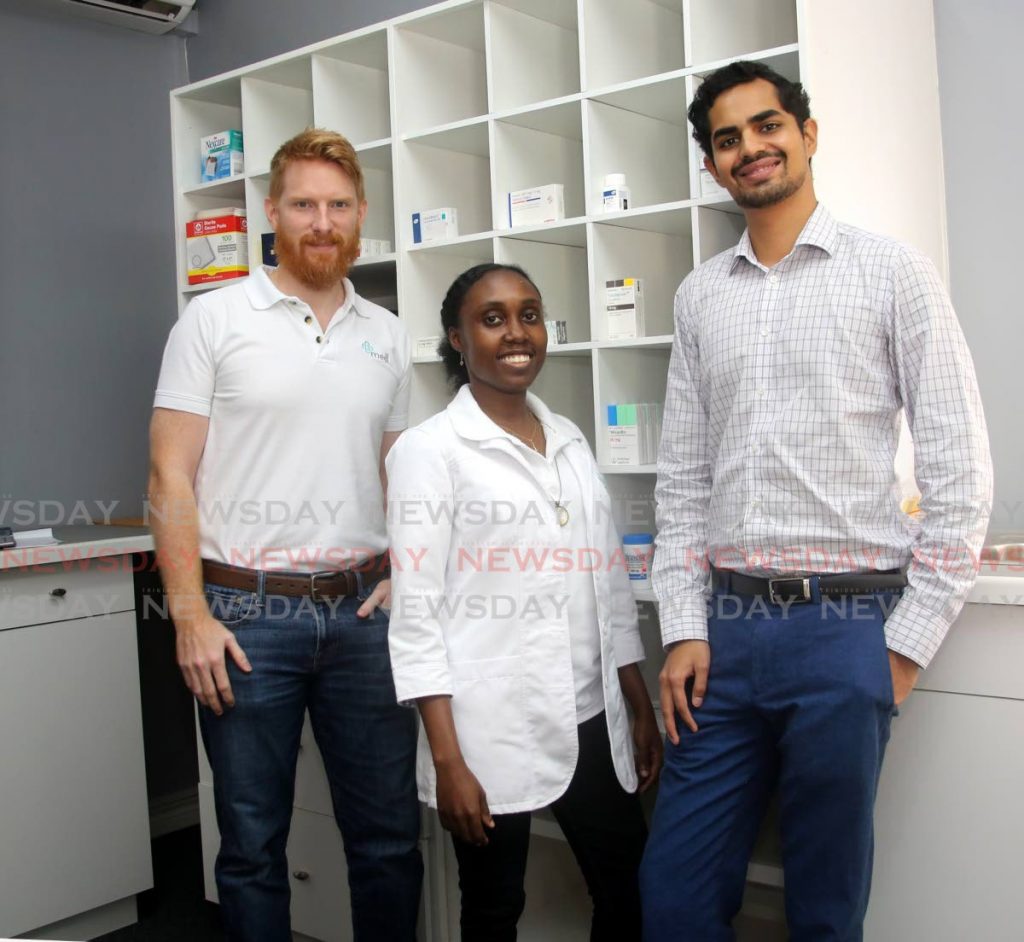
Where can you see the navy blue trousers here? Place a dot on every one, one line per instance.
(800, 699)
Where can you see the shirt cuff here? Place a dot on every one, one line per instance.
(628, 650)
(683, 619)
(915, 631)
(427, 680)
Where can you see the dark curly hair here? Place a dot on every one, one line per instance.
(792, 96)
(458, 375)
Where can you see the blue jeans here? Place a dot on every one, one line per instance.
(318, 656)
(799, 700)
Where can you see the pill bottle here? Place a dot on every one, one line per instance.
(614, 193)
(639, 549)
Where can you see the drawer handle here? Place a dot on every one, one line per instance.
(300, 874)
(58, 593)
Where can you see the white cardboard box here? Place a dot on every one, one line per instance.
(536, 205)
(624, 308)
(435, 225)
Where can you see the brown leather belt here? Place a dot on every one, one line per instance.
(783, 589)
(319, 586)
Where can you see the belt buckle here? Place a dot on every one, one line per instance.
(805, 584)
(314, 592)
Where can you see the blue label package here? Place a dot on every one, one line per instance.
(221, 155)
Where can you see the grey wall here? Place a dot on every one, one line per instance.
(86, 257)
(981, 88)
(233, 33)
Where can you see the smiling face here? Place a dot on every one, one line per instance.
(761, 155)
(501, 333)
(316, 222)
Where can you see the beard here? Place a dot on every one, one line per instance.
(318, 272)
(771, 193)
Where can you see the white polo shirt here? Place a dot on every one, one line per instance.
(289, 477)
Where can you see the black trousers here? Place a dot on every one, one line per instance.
(605, 828)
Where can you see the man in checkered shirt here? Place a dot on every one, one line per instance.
(798, 602)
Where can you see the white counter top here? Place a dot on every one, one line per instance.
(998, 584)
(77, 544)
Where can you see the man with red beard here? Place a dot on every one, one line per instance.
(793, 355)
(278, 400)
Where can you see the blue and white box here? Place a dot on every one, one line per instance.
(435, 225)
(222, 155)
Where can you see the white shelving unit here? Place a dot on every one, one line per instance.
(459, 103)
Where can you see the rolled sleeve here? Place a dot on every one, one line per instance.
(420, 505)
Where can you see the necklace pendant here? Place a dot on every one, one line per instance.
(563, 514)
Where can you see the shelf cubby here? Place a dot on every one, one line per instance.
(277, 103)
(426, 276)
(624, 375)
(377, 281)
(567, 387)
(441, 75)
(727, 29)
(622, 44)
(632, 136)
(205, 110)
(543, 33)
(785, 60)
(257, 189)
(227, 189)
(350, 88)
(632, 504)
(447, 168)
(379, 184)
(560, 273)
(196, 201)
(718, 229)
(534, 148)
(430, 386)
(657, 248)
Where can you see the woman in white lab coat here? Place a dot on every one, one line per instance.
(513, 624)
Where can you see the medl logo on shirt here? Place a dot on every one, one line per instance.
(368, 349)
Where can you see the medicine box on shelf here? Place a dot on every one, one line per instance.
(221, 155)
(217, 247)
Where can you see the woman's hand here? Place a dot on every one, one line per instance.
(648, 747)
(462, 803)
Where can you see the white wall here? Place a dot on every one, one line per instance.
(983, 143)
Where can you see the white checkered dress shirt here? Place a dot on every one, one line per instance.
(781, 424)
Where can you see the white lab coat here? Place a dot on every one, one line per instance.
(477, 617)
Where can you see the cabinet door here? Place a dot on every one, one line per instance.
(948, 823)
(73, 811)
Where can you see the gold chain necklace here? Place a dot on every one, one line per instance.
(561, 511)
(526, 439)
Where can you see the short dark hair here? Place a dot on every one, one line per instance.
(792, 96)
(458, 375)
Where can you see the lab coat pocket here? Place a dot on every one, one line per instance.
(488, 711)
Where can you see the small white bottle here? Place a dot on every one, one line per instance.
(615, 194)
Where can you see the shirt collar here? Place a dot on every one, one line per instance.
(820, 230)
(264, 294)
(471, 422)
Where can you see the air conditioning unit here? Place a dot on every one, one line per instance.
(149, 16)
